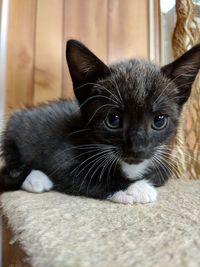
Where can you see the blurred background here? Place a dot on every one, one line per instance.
(34, 34)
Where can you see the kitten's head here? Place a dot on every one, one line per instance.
(134, 105)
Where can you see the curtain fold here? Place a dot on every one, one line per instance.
(187, 144)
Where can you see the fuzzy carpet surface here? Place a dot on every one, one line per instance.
(58, 230)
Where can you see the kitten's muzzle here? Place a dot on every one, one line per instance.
(136, 142)
(135, 157)
(135, 154)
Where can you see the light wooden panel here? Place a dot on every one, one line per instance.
(128, 29)
(48, 51)
(37, 34)
(20, 59)
(85, 20)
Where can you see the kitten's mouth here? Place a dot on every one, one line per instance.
(131, 160)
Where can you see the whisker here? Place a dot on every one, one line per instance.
(106, 105)
(93, 156)
(104, 159)
(93, 165)
(79, 131)
(160, 175)
(161, 164)
(97, 96)
(114, 160)
(116, 87)
(91, 150)
(107, 162)
(101, 87)
(169, 163)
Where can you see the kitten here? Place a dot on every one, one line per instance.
(114, 142)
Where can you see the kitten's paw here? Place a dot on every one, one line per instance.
(138, 192)
(121, 197)
(142, 192)
(37, 182)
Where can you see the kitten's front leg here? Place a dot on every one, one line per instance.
(141, 191)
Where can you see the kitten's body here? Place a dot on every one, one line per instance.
(105, 145)
(46, 142)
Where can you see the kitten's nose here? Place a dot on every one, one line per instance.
(136, 146)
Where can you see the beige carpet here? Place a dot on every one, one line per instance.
(57, 230)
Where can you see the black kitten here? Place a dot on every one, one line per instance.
(113, 143)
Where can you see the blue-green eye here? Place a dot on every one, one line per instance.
(159, 122)
(113, 121)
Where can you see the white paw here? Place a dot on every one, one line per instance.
(138, 192)
(37, 182)
(121, 197)
(142, 192)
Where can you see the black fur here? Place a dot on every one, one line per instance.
(70, 141)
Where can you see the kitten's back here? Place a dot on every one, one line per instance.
(41, 126)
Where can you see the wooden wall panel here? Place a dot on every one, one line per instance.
(20, 56)
(128, 29)
(37, 34)
(86, 21)
(48, 50)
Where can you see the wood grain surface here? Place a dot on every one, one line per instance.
(48, 50)
(37, 35)
(128, 29)
(21, 54)
(87, 22)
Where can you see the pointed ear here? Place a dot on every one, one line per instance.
(84, 68)
(183, 72)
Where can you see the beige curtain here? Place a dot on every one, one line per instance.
(187, 146)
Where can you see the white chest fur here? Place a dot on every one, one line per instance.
(135, 171)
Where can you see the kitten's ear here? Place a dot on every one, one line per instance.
(84, 68)
(183, 72)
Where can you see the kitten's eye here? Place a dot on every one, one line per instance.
(159, 122)
(113, 121)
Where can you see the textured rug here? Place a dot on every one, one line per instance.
(56, 230)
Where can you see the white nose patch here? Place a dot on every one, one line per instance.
(37, 182)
